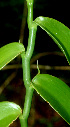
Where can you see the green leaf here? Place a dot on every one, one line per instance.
(9, 52)
(58, 32)
(55, 91)
(9, 112)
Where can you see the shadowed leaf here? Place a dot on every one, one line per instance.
(55, 91)
(9, 52)
(58, 32)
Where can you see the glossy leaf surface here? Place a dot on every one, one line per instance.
(9, 112)
(9, 52)
(58, 32)
(55, 91)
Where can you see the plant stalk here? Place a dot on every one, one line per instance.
(27, 106)
(26, 65)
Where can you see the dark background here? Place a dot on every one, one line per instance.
(11, 16)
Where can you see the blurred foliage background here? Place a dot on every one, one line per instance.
(13, 26)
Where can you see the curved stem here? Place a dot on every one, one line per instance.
(26, 76)
(26, 64)
(31, 40)
(27, 57)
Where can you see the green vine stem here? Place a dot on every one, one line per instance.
(30, 12)
(27, 57)
(27, 106)
(26, 65)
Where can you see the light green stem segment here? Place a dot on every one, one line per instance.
(26, 64)
(26, 75)
(26, 58)
(30, 12)
(27, 106)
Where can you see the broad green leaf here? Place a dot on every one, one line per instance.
(9, 52)
(55, 91)
(9, 112)
(58, 32)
